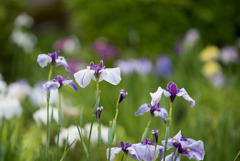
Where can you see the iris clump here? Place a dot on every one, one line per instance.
(140, 151)
(185, 146)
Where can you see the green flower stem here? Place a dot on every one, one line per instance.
(176, 154)
(93, 115)
(144, 135)
(167, 130)
(155, 147)
(59, 119)
(237, 156)
(99, 138)
(114, 124)
(48, 124)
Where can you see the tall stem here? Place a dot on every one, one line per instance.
(59, 119)
(237, 156)
(144, 135)
(93, 115)
(48, 124)
(114, 125)
(167, 130)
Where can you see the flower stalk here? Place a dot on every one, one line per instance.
(94, 114)
(59, 119)
(48, 124)
(144, 135)
(167, 130)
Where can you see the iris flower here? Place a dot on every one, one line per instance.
(58, 82)
(145, 150)
(186, 146)
(154, 107)
(127, 148)
(172, 91)
(53, 58)
(97, 72)
(141, 151)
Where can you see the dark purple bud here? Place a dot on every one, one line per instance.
(122, 95)
(155, 136)
(172, 88)
(98, 113)
(125, 146)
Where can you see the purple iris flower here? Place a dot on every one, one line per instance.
(123, 95)
(58, 82)
(154, 107)
(100, 72)
(145, 150)
(141, 151)
(53, 58)
(127, 148)
(172, 91)
(186, 146)
(164, 66)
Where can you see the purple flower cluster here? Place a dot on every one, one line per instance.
(141, 151)
(144, 66)
(105, 50)
(185, 146)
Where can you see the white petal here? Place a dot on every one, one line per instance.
(50, 85)
(185, 95)
(111, 75)
(83, 77)
(114, 151)
(166, 93)
(62, 61)
(156, 97)
(43, 60)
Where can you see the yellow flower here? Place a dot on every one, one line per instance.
(209, 53)
(211, 68)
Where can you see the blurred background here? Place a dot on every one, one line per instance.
(195, 44)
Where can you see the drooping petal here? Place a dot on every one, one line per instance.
(114, 151)
(62, 61)
(111, 75)
(140, 150)
(51, 85)
(71, 84)
(83, 77)
(156, 97)
(131, 152)
(142, 109)
(162, 112)
(170, 157)
(159, 150)
(182, 92)
(196, 151)
(43, 60)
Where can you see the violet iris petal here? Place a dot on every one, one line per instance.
(58, 82)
